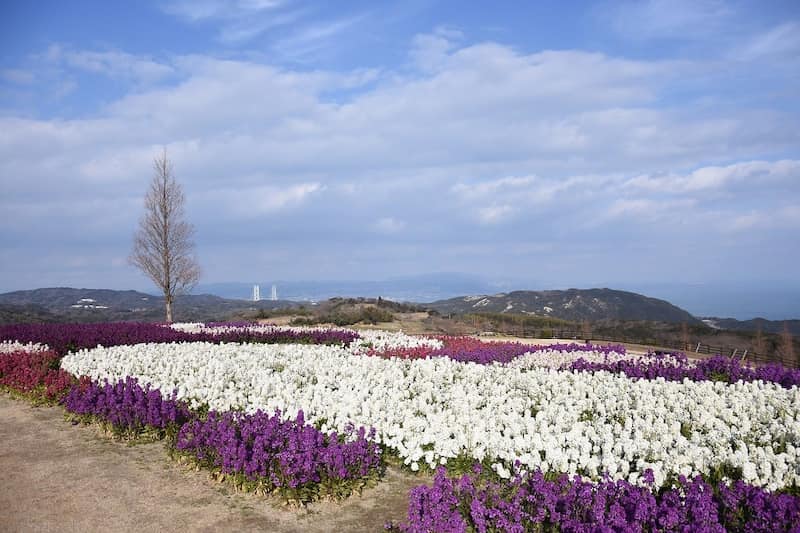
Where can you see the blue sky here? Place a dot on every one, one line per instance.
(543, 143)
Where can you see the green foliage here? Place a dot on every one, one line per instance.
(397, 307)
(720, 376)
(542, 326)
(132, 435)
(286, 311)
(722, 471)
(37, 397)
(326, 489)
(341, 317)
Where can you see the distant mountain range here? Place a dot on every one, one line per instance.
(64, 304)
(572, 304)
(767, 326)
(775, 300)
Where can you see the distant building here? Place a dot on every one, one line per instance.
(256, 293)
(274, 295)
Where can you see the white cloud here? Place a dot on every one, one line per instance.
(118, 64)
(19, 76)
(625, 207)
(715, 177)
(246, 28)
(552, 139)
(481, 189)
(290, 27)
(555, 114)
(111, 63)
(495, 214)
(781, 218)
(389, 225)
(257, 201)
(674, 19)
(782, 41)
(314, 37)
(648, 209)
(197, 10)
(430, 51)
(746, 221)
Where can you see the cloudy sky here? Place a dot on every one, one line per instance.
(573, 145)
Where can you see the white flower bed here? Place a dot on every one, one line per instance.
(14, 346)
(198, 327)
(558, 359)
(188, 327)
(433, 410)
(375, 339)
(387, 340)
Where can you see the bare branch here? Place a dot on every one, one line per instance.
(162, 246)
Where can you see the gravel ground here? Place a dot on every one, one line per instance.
(58, 477)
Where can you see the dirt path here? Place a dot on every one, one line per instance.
(58, 477)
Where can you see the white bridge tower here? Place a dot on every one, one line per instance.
(274, 295)
(256, 293)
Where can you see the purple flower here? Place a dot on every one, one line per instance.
(532, 502)
(282, 453)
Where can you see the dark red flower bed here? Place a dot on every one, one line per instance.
(36, 374)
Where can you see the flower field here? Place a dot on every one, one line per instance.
(569, 436)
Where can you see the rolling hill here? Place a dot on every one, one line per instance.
(571, 304)
(65, 304)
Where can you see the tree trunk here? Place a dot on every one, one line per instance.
(169, 310)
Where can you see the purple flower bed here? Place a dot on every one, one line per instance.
(466, 349)
(472, 350)
(63, 338)
(676, 367)
(126, 405)
(280, 454)
(296, 459)
(534, 503)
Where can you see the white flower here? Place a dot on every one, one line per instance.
(14, 346)
(436, 409)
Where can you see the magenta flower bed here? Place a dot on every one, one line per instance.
(466, 349)
(35, 373)
(282, 453)
(469, 349)
(534, 503)
(63, 338)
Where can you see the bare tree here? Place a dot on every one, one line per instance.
(586, 330)
(162, 246)
(759, 344)
(787, 345)
(685, 336)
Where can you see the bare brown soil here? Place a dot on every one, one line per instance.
(58, 477)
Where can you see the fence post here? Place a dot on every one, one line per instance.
(697, 350)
